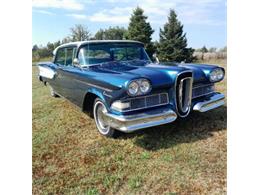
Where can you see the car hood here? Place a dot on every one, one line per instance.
(119, 74)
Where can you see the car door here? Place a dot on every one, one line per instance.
(66, 73)
(58, 63)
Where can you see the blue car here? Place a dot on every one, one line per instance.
(117, 84)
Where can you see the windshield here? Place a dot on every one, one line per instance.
(92, 54)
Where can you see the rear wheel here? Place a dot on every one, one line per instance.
(52, 92)
(99, 110)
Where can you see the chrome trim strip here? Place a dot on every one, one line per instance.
(104, 93)
(203, 94)
(213, 102)
(130, 123)
(93, 85)
(129, 99)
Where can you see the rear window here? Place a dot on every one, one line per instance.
(65, 56)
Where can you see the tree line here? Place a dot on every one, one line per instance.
(172, 44)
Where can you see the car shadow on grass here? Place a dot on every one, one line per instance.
(196, 126)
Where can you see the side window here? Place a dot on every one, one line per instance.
(69, 56)
(60, 57)
(65, 56)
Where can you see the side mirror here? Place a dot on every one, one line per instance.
(156, 58)
(76, 62)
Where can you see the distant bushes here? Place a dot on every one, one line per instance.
(205, 54)
(209, 55)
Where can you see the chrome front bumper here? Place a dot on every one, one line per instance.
(210, 103)
(130, 123)
(159, 116)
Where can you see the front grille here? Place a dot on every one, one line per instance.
(202, 90)
(147, 101)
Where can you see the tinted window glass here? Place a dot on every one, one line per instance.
(69, 56)
(65, 56)
(108, 52)
(94, 56)
(60, 57)
(127, 53)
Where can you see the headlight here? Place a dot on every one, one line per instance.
(139, 87)
(216, 75)
(133, 88)
(145, 86)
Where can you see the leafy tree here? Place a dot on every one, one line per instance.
(173, 43)
(56, 44)
(44, 52)
(50, 47)
(140, 30)
(212, 49)
(79, 33)
(35, 48)
(66, 40)
(224, 49)
(112, 33)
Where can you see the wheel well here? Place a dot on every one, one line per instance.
(89, 103)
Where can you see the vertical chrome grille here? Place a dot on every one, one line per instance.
(185, 90)
(184, 93)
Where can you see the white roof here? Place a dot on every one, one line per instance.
(79, 43)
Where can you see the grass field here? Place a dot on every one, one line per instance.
(70, 157)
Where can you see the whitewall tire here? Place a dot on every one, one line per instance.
(99, 110)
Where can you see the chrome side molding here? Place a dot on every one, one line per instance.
(213, 102)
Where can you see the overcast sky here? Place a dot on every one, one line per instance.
(204, 20)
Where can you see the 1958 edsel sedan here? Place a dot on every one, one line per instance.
(116, 83)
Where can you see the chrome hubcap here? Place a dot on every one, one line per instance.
(100, 111)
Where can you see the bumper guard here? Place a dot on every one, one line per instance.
(212, 102)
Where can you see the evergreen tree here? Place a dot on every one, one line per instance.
(140, 30)
(173, 43)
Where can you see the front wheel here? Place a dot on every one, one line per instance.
(99, 110)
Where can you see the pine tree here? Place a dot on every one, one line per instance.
(173, 43)
(140, 30)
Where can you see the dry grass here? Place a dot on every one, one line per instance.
(70, 157)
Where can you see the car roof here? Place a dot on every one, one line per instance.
(79, 43)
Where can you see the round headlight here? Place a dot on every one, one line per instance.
(216, 75)
(145, 86)
(220, 74)
(133, 88)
